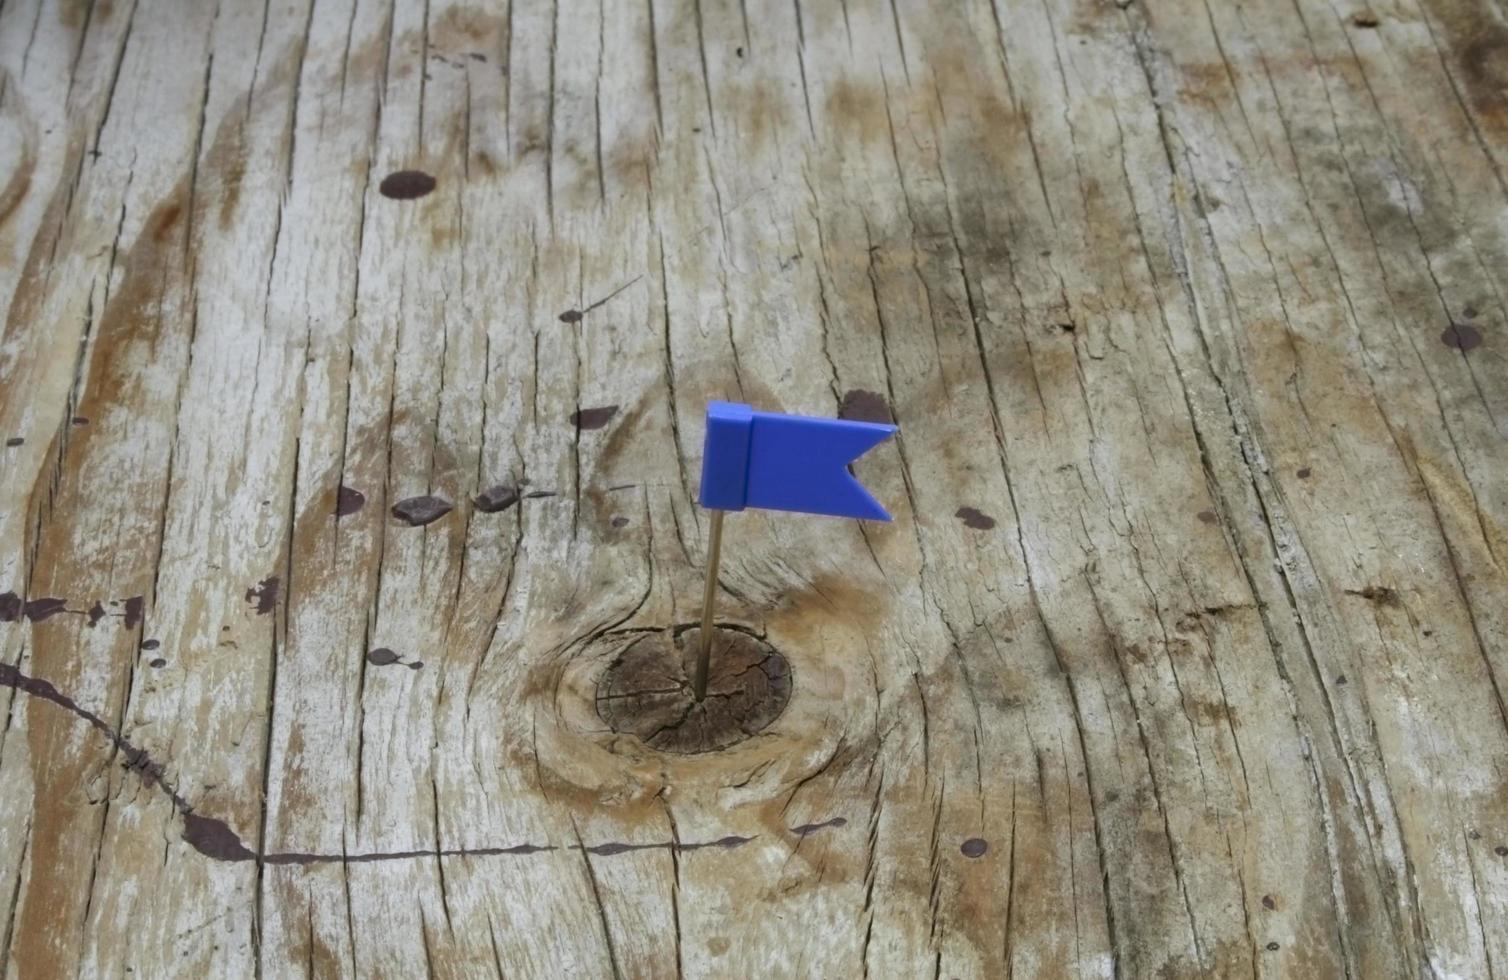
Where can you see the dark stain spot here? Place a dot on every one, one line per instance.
(1268, 902)
(415, 665)
(1475, 834)
(80, 420)
(1207, 516)
(265, 595)
(214, 839)
(476, 56)
(150, 644)
(135, 604)
(45, 608)
(381, 657)
(975, 519)
(620, 522)
(1461, 336)
(1501, 850)
(1364, 18)
(96, 613)
(1303, 472)
(158, 662)
(1380, 594)
(812, 828)
(495, 500)
(571, 316)
(739, 51)
(1272, 947)
(865, 406)
(1067, 326)
(14, 441)
(1469, 312)
(405, 185)
(419, 511)
(974, 847)
(593, 418)
(1340, 679)
(10, 607)
(348, 501)
(536, 494)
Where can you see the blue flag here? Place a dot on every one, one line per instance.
(786, 462)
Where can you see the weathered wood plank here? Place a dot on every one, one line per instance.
(352, 376)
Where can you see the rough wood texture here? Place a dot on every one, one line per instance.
(351, 382)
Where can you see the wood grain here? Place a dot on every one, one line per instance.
(351, 386)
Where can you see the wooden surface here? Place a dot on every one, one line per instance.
(1185, 654)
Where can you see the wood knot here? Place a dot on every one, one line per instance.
(646, 690)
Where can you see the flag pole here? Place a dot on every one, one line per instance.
(709, 602)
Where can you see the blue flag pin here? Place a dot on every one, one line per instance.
(777, 462)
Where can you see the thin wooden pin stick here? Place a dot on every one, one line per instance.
(709, 602)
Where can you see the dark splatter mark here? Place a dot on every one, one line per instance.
(812, 828)
(214, 839)
(612, 848)
(1475, 834)
(1268, 902)
(135, 604)
(158, 662)
(976, 519)
(1303, 472)
(45, 608)
(620, 522)
(10, 607)
(1461, 336)
(1272, 947)
(536, 494)
(419, 511)
(865, 406)
(348, 501)
(1380, 594)
(495, 500)
(150, 644)
(1469, 312)
(477, 56)
(593, 418)
(381, 657)
(974, 847)
(298, 858)
(135, 759)
(405, 185)
(79, 420)
(96, 613)
(415, 665)
(265, 595)
(1340, 679)
(14, 441)
(1066, 326)
(621, 486)
(739, 51)
(1365, 19)
(1501, 850)
(1207, 516)
(575, 316)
